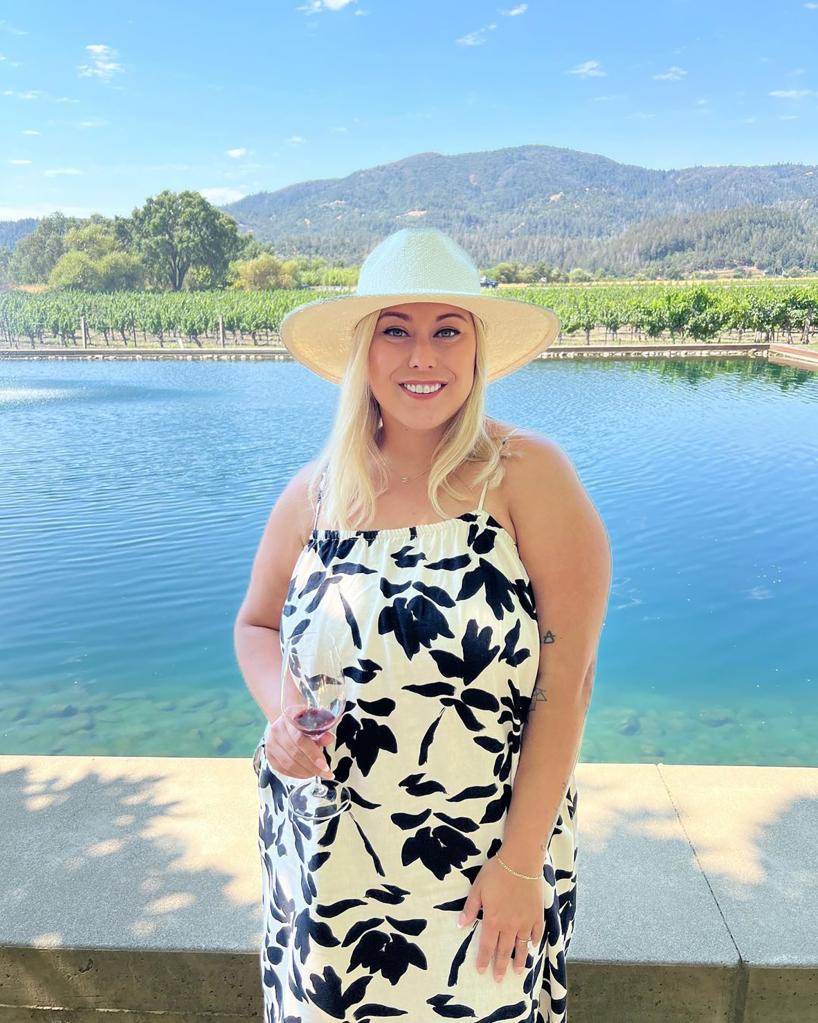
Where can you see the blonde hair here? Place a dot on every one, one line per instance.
(356, 472)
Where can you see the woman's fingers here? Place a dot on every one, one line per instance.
(520, 954)
(302, 752)
(305, 750)
(502, 946)
(505, 949)
(488, 943)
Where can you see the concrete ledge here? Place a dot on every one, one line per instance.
(131, 889)
(804, 358)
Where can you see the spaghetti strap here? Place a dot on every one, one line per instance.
(318, 499)
(485, 485)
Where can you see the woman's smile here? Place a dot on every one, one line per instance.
(422, 392)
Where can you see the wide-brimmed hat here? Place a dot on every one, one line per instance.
(417, 264)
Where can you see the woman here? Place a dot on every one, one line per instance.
(469, 627)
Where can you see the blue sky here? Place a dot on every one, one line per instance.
(104, 104)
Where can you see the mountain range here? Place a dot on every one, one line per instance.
(543, 204)
(561, 206)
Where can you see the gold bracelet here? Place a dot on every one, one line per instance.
(516, 873)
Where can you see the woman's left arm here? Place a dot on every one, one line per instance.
(565, 549)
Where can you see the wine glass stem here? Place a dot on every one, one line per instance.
(318, 789)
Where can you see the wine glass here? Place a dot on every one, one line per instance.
(313, 698)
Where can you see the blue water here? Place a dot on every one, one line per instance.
(133, 496)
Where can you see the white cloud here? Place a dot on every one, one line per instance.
(19, 163)
(317, 6)
(54, 172)
(519, 9)
(475, 38)
(340, 128)
(588, 69)
(608, 98)
(811, 7)
(221, 196)
(236, 154)
(102, 63)
(673, 74)
(793, 93)
(29, 94)
(296, 139)
(92, 122)
(31, 131)
(471, 39)
(788, 117)
(642, 116)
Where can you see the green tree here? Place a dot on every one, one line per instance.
(36, 255)
(177, 231)
(5, 260)
(252, 247)
(95, 237)
(75, 270)
(265, 272)
(578, 275)
(120, 271)
(505, 272)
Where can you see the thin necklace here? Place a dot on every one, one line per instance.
(408, 479)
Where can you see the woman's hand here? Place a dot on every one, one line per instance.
(290, 751)
(513, 908)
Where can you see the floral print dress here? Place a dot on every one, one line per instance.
(440, 639)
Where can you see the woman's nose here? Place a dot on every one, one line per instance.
(422, 350)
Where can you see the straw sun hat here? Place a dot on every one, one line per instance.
(417, 264)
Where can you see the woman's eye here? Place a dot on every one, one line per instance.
(455, 332)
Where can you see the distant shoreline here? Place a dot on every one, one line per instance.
(275, 353)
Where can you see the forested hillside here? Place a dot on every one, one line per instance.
(567, 208)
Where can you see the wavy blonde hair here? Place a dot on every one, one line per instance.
(356, 472)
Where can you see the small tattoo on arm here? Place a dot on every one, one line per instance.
(549, 637)
(538, 696)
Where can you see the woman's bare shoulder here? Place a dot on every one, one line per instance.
(517, 438)
(546, 496)
(293, 511)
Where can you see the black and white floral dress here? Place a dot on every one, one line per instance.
(440, 638)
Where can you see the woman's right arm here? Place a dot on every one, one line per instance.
(257, 626)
